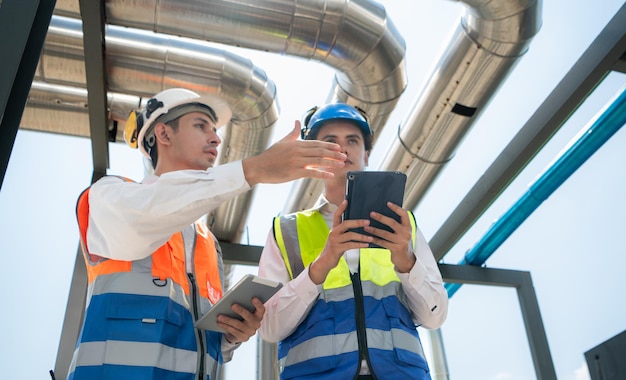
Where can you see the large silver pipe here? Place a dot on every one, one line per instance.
(63, 109)
(141, 64)
(491, 38)
(355, 37)
(488, 42)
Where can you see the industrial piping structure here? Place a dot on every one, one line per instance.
(356, 38)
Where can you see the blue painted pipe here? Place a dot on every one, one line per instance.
(611, 119)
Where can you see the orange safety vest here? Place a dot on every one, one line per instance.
(149, 305)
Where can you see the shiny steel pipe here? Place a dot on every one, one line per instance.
(142, 64)
(489, 41)
(356, 38)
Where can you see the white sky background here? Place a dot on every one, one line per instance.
(571, 245)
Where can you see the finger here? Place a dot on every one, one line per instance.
(355, 237)
(391, 222)
(242, 330)
(404, 214)
(294, 133)
(356, 245)
(259, 310)
(351, 224)
(233, 334)
(234, 328)
(327, 161)
(338, 215)
(380, 234)
(383, 243)
(311, 150)
(317, 148)
(251, 319)
(310, 172)
(349, 231)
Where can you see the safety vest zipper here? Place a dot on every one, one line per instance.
(199, 333)
(359, 315)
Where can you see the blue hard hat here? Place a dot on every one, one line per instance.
(316, 117)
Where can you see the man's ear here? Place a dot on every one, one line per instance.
(162, 134)
(367, 158)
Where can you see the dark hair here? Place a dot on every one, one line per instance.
(153, 151)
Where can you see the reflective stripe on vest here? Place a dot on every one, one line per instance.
(325, 344)
(148, 307)
(295, 259)
(377, 339)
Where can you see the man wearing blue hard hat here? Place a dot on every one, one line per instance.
(349, 311)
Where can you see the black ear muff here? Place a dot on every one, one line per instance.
(304, 131)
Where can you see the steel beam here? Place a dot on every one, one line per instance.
(93, 16)
(92, 13)
(23, 28)
(522, 282)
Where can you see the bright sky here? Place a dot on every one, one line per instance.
(571, 245)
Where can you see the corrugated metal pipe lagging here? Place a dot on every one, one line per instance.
(610, 119)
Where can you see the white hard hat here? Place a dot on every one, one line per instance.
(165, 106)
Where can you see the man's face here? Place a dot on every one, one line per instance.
(350, 138)
(194, 142)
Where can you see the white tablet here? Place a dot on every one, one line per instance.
(248, 287)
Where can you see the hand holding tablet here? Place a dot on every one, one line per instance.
(248, 287)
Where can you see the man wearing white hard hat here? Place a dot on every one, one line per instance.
(153, 267)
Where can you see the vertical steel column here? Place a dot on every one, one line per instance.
(74, 311)
(439, 365)
(521, 281)
(535, 331)
(92, 14)
(267, 361)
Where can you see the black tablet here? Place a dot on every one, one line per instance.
(368, 191)
(241, 293)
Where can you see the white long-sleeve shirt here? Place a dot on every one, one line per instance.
(423, 286)
(129, 221)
